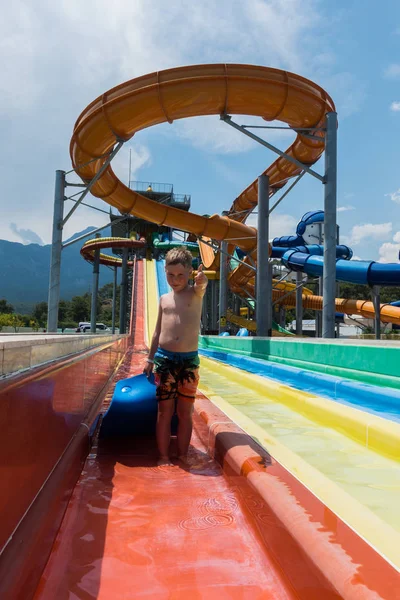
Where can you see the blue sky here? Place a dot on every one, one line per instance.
(60, 56)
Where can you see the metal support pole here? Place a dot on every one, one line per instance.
(264, 269)
(114, 299)
(56, 247)
(376, 291)
(337, 296)
(95, 290)
(89, 186)
(214, 305)
(299, 303)
(318, 318)
(223, 287)
(124, 291)
(330, 232)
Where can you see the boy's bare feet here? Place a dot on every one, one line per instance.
(164, 461)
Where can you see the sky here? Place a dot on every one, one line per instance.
(59, 56)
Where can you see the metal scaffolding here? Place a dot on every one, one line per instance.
(329, 180)
(59, 221)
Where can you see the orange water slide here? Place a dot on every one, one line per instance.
(192, 91)
(89, 247)
(205, 90)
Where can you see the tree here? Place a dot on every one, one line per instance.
(11, 320)
(5, 307)
(79, 309)
(63, 309)
(40, 313)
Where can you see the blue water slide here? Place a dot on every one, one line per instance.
(288, 241)
(163, 287)
(356, 271)
(342, 251)
(378, 400)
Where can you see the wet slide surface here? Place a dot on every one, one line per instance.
(135, 530)
(369, 478)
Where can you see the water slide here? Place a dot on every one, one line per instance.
(192, 91)
(88, 249)
(312, 427)
(245, 521)
(205, 90)
(169, 244)
(314, 535)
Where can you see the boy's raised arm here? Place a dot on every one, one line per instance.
(200, 282)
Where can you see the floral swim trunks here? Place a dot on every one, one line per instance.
(176, 374)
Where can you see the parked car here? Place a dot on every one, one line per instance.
(85, 326)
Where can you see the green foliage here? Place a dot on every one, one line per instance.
(40, 313)
(5, 307)
(364, 292)
(63, 309)
(79, 308)
(11, 320)
(70, 312)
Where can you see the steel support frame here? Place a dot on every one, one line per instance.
(56, 248)
(299, 303)
(58, 224)
(114, 299)
(223, 287)
(95, 290)
(264, 271)
(329, 179)
(376, 294)
(124, 291)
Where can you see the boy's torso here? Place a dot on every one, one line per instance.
(180, 321)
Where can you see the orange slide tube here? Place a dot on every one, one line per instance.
(192, 91)
(89, 247)
(205, 90)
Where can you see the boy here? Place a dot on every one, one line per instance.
(173, 351)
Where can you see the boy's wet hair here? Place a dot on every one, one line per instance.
(179, 256)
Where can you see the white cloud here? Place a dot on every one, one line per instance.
(389, 251)
(345, 208)
(27, 235)
(57, 57)
(392, 71)
(378, 231)
(394, 196)
(138, 155)
(395, 106)
(355, 257)
(279, 225)
(213, 135)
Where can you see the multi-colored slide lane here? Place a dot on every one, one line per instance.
(348, 458)
(135, 530)
(245, 520)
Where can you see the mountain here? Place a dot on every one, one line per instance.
(24, 272)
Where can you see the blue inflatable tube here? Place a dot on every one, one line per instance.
(133, 408)
(381, 401)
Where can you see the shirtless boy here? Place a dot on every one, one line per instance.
(173, 351)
